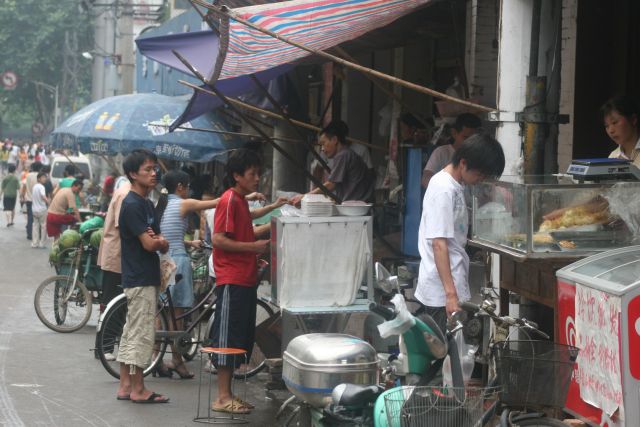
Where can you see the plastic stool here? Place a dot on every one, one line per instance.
(222, 418)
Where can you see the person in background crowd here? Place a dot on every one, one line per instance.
(442, 236)
(349, 178)
(107, 190)
(9, 189)
(4, 159)
(23, 158)
(140, 241)
(13, 156)
(69, 176)
(48, 186)
(39, 202)
(63, 209)
(25, 194)
(466, 124)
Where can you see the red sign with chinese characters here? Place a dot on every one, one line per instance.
(569, 335)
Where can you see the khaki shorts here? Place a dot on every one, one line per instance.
(138, 335)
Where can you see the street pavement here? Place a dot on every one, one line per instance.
(52, 379)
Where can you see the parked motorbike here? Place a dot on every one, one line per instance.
(335, 377)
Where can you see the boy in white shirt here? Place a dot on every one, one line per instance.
(40, 202)
(444, 265)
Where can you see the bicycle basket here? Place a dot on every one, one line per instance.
(534, 373)
(436, 406)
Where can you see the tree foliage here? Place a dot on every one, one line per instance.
(42, 41)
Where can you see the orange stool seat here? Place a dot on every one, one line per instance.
(209, 418)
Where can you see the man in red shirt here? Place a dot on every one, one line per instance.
(234, 254)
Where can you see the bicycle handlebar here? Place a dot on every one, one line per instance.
(386, 312)
(469, 306)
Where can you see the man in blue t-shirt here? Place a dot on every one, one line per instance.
(140, 240)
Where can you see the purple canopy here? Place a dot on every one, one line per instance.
(198, 48)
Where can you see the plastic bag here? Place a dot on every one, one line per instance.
(466, 353)
(401, 323)
(167, 272)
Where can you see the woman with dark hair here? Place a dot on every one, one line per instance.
(173, 225)
(620, 116)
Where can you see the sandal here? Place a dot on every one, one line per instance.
(243, 403)
(153, 398)
(185, 375)
(230, 407)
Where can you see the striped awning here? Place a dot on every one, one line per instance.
(317, 24)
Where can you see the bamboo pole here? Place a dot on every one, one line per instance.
(283, 113)
(273, 115)
(256, 128)
(228, 13)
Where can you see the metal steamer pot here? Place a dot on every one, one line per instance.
(313, 364)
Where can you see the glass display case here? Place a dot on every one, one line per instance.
(553, 217)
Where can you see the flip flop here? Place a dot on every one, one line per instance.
(243, 403)
(230, 407)
(127, 397)
(153, 398)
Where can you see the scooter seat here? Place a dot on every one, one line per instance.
(354, 395)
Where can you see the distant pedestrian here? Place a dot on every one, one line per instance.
(9, 189)
(40, 202)
(25, 194)
(140, 241)
(63, 209)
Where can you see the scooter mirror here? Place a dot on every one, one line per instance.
(384, 280)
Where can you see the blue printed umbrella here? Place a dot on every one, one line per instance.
(120, 124)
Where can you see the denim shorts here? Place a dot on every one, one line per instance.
(182, 291)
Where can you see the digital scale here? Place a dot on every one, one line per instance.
(603, 170)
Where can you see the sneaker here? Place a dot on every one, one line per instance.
(109, 357)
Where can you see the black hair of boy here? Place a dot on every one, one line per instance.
(482, 153)
(239, 161)
(135, 159)
(175, 177)
(78, 183)
(467, 120)
(12, 168)
(41, 174)
(336, 128)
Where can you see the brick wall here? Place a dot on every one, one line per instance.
(567, 81)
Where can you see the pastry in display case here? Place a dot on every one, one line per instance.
(549, 216)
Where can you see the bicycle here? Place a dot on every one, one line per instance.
(63, 302)
(531, 375)
(184, 341)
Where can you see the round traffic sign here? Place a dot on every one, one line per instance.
(9, 80)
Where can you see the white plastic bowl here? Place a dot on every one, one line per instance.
(353, 210)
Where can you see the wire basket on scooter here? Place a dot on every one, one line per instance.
(534, 373)
(437, 406)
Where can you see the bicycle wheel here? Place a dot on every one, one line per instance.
(61, 306)
(110, 332)
(257, 361)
